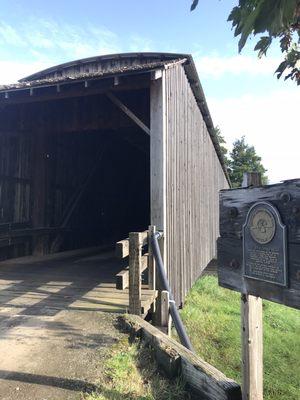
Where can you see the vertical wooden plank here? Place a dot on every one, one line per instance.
(158, 159)
(252, 331)
(158, 152)
(194, 177)
(135, 285)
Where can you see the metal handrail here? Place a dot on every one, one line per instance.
(180, 328)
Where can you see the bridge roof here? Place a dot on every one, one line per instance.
(114, 65)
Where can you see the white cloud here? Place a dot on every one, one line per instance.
(10, 36)
(57, 39)
(270, 122)
(40, 43)
(215, 66)
(140, 43)
(12, 71)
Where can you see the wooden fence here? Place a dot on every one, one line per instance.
(138, 250)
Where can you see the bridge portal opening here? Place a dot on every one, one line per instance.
(74, 170)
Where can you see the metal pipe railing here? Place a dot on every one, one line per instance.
(180, 328)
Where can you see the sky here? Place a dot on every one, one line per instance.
(243, 95)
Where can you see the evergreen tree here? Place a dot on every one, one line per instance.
(243, 158)
(222, 144)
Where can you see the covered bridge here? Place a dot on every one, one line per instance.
(93, 149)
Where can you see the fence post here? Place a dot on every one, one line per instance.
(135, 285)
(166, 320)
(252, 330)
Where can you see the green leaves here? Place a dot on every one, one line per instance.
(243, 158)
(282, 66)
(279, 19)
(291, 66)
(276, 19)
(259, 16)
(222, 144)
(262, 45)
(194, 4)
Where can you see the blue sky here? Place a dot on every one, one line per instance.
(243, 95)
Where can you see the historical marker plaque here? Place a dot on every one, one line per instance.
(264, 245)
(259, 243)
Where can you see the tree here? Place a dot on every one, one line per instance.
(222, 144)
(243, 158)
(275, 19)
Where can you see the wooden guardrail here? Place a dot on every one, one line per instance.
(177, 361)
(139, 261)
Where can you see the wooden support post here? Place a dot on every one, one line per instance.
(165, 298)
(252, 331)
(158, 154)
(165, 317)
(135, 284)
(158, 173)
(252, 344)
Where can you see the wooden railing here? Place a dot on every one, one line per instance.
(139, 260)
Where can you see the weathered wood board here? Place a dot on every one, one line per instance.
(205, 381)
(234, 207)
(194, 176)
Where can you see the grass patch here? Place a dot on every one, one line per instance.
(212, 317)
(130, 373)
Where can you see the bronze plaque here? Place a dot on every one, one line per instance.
(264, 245)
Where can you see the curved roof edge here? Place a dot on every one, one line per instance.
(108, 57)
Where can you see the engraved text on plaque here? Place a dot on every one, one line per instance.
(264, 245)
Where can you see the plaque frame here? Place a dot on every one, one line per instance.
(273, 210)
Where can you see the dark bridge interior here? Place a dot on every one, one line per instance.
(74, 173)
(114, 186)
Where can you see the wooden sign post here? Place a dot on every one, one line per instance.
(258, 255)
(252, 331)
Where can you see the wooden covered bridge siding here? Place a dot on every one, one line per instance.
(191, 175)
(133, 134)
(15, 184)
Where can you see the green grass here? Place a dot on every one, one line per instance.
(212, 317)
(130, 373)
